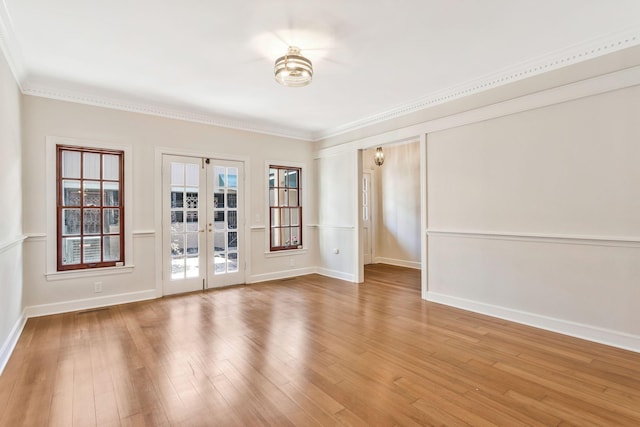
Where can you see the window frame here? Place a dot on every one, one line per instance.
(300, 244)
(83, 266)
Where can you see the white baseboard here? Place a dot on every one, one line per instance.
(337, 274)
(10, 343)
(89, 303)
(398, 262)
(256, 278)
(578, 330)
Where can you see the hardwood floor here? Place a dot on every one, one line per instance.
(310, 351)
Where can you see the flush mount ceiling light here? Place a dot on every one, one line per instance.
(293, 69)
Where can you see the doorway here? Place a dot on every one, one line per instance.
(392, 203)
(202, 217)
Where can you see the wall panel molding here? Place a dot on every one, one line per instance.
(333, 226)
(143, 233)
(568, 239)
(36, 237)
(8, 244)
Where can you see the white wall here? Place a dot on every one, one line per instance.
(147, 135)
(11, 234)
(337, 206)
(397, 212)
(397, 225)
(533, 207)
(535, 216)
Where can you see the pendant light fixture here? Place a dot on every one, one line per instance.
(379, 156)
(293, 69)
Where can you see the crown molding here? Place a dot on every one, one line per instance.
(9, 47)
(552, 61)
(161, 111)
(616, 80)
(555, 60)
(13, 55)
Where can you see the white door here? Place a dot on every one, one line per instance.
(225, 224)
(366, 218)
(202, 224)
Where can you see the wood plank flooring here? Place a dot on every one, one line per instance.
(310, 351)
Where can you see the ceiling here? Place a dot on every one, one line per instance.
(212, 61)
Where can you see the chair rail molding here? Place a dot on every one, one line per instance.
(8, 244)
(570, 239)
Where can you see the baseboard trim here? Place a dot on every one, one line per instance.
(10, 343)
(337, 274)
(398, 262)
(577, 330)
(257, 278)
(89, 303)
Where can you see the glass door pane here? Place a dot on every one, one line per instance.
(225, 214)
(226, 218)
(185, 196)
(184, 181)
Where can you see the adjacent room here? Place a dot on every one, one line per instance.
(320, 213)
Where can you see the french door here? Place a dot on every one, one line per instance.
(203, 223)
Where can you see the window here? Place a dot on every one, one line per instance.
(90, 211)
(285, 210)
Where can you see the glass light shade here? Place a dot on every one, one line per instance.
(379, 157)
(293, 69)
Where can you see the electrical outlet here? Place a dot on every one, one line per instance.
(97, 287)
(292, 262)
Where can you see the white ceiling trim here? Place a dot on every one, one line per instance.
(535, 66)
(9, 47)
(13, 55)
(621, 79)
(543, 64)
(156, 110)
